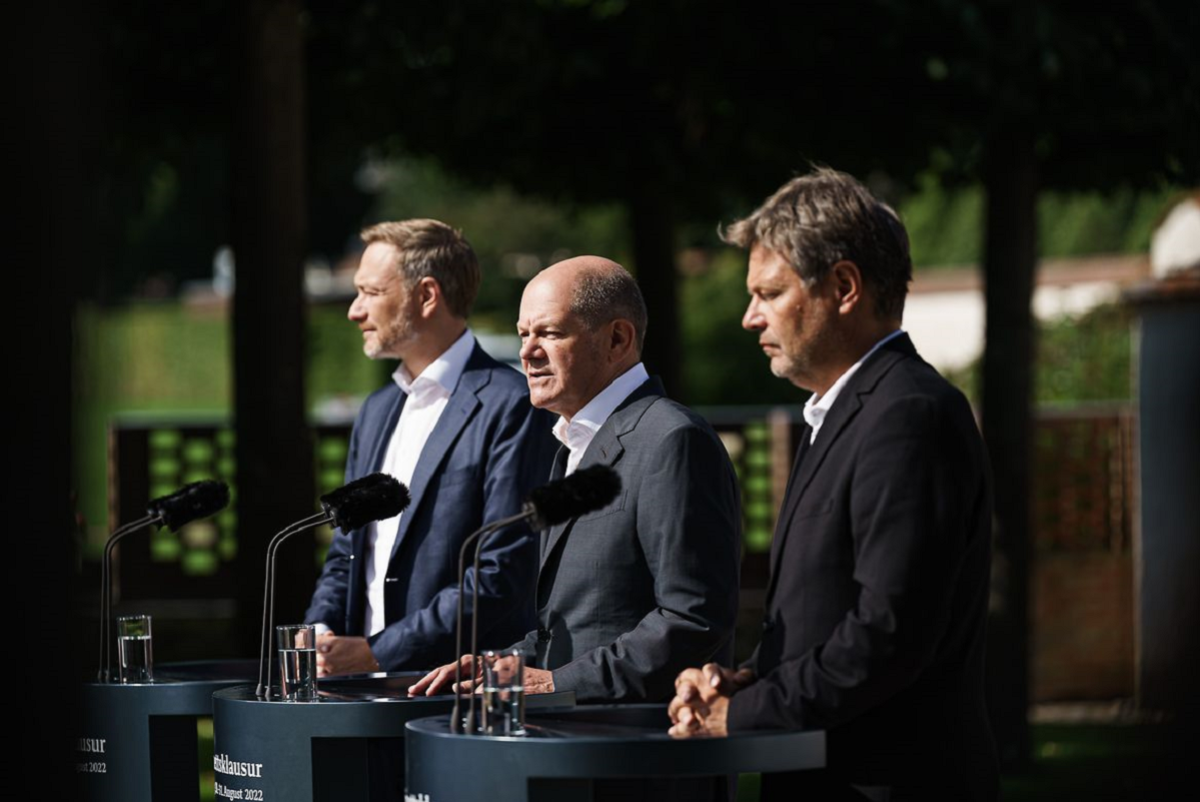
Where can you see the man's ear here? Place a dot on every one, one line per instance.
(427, 294)
(622, 339)
(848, 286)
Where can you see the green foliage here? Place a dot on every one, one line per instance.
(514, 236)
(1074, 224)
(1086, 359)
(173, 361)
(337, 368)
(1079, 359)
(722, 362)
(945, 224)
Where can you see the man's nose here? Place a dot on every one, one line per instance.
(753, 319)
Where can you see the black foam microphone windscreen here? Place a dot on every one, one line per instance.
(581, 492)
(190, 503)
(375, 497)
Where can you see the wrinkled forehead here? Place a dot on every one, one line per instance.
(769, 266)
(545, 302)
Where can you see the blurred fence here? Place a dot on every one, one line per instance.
(1082, 604)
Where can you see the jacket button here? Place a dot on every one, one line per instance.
(543, 634)
(768, 625)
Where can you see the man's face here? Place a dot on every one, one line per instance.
(564, 363)
(383, 308)
(795, 323)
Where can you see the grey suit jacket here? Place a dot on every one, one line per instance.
(635, 592)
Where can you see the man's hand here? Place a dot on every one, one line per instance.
(338, 654)
(536, 680)
(699, 720)
(701, 703)
(539, 681)
(438, 679)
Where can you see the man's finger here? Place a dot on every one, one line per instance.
(436, 680)
(423, 683)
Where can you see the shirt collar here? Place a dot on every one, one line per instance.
(817, 407)
(580, 430)
(443, 373)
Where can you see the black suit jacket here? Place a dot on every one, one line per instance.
(633, 593)
(877, 601)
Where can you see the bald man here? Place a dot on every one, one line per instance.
(630, 594)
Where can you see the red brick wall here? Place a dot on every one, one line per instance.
(1082, 628)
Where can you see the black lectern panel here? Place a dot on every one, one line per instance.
(139, 741)
(586, 743)
(305, 752)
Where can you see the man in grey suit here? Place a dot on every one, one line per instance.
(632, 593)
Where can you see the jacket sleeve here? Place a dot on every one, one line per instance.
(689, 530)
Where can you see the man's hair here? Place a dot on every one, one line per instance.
(601, 296)
(819, 219)
(429, 248)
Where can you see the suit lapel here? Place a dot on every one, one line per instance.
(789, 497)
(461, 407)
(606, 448)
(847, 406)
(379, 432)
(557, 471)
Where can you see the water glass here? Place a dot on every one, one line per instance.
(297, 662)
(504, 692)
(134, 652)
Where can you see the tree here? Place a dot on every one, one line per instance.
(274, 445)
(1032, 96)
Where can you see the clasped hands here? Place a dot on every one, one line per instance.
(701, 704)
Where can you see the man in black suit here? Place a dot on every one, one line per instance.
(632, 593)
(877, 602)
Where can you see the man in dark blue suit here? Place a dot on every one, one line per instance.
(455, 426)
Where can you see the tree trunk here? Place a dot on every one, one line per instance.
(1009, 265)
(275, 474)
(654, 260)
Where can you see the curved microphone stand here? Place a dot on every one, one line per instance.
(266, 650)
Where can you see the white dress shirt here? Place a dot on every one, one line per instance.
(577, 434)
(428, 395)
(817, 407)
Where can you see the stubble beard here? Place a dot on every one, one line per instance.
(393, 347)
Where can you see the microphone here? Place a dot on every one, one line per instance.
(375, 497)
(578, 494)
(190, 503)
(559, 501)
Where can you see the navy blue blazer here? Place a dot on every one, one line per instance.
(488, 450)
